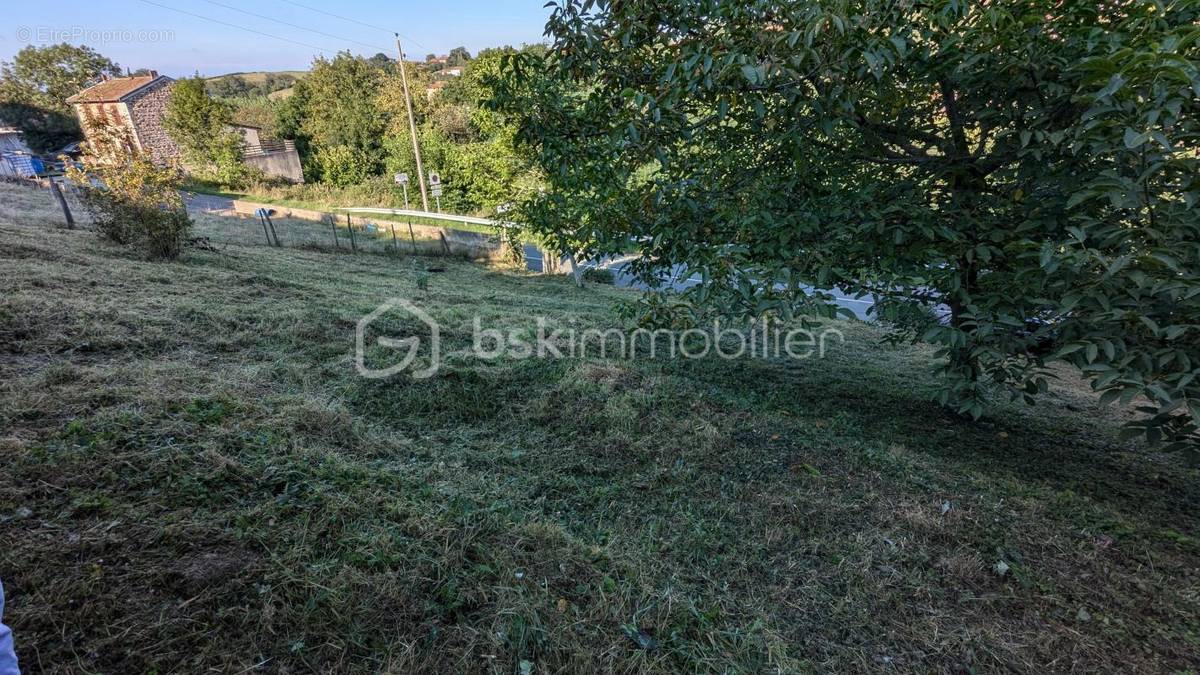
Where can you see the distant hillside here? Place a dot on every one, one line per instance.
(259, 77)
(262, 83)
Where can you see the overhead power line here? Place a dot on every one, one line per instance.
(234, 25)
(293, 25)
(346, 18)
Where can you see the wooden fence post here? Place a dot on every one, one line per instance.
(274, 233)
(62, 202)
(333, 224)
(445, 244)
(263, 221)
(350, 226)
(413, 237)
(395, 244)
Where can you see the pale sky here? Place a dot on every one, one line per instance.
(180, 37)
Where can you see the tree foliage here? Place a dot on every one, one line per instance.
(337, 108)
(470, 145)
(200, 124)
(260, 112)
(1023, 175)
(459, 56)
(35, 86)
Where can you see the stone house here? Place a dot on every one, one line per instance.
(138, 103)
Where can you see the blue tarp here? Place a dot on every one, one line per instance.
(23, 165)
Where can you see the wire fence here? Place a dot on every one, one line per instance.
(33, 202)
(335, 234)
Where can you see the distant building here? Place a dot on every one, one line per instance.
(138, 103)
(455, 71)
(434, 89)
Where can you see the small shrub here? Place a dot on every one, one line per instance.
(597, 275)
(132, 201)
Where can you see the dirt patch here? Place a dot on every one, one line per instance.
(209, 570)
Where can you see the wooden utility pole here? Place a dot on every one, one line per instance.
(412, 125)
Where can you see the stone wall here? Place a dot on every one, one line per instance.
(147, 107)
(284, 164)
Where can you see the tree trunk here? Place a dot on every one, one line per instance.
(576, 270)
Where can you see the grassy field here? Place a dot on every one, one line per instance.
(194, 478)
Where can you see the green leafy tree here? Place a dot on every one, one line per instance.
(339, 109)
(289, 123)
(35, 86)
(382, 61)
(389, 101)
(260, 112)
(459, 56)
(229, 86)
(200, 124)
(1023, 175)
(342, 165)
(470, 144)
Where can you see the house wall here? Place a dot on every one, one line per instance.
(90, 114)
(147, 108)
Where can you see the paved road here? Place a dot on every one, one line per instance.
(214, 204)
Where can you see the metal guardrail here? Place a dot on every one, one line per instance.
(472, 220)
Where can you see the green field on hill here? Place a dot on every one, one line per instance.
(259, 77)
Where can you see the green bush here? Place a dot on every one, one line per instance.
(132, 201)
(200, 125)
(343, 165)
(597, 275)
(156, 231)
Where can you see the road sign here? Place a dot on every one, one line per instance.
(434, 178)
(402, 178)
(436, 190)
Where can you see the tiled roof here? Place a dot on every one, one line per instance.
(111, 91)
